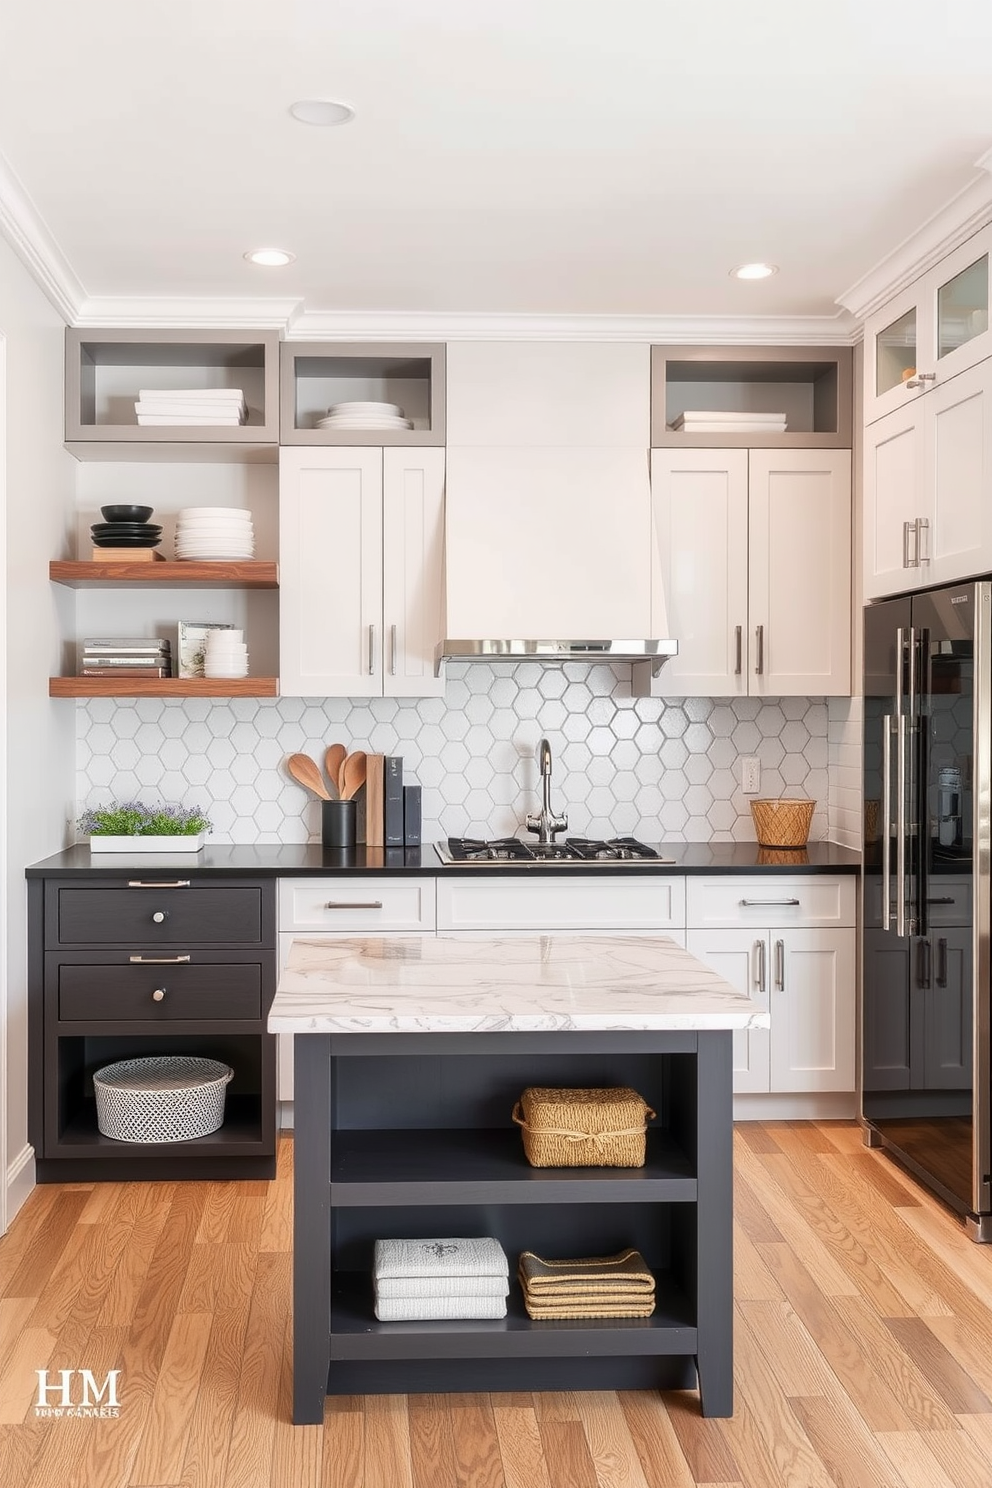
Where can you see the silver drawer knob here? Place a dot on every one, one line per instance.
(158, 918)
(158, 995)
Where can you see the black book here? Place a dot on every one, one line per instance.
(412, 822)
(392, 801)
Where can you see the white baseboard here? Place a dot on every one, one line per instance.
(808, 1106)
(20, 1181)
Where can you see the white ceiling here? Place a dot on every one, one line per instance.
(554, 157)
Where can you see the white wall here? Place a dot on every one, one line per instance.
(38, 766)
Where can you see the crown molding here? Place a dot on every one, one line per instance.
(951, 225)
(28, 234)
(703, 330)
(163, 312)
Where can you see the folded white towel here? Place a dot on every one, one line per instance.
(443, 1286)
(427, 1309)
(477, 1256)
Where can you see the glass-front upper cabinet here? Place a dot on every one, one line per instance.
(935, 328)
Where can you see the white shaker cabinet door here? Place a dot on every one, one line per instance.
(812, 990)
(330, 562)
(741, 958)
(957, 441)
(699, 538)
(412, 570)
(799, 549)
(894, 498)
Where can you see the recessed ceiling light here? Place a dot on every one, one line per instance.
(321, 111)
(271, 258)
(754, 271)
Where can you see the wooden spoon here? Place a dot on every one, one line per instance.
(305, 772)
(333, 760)
(353, 775)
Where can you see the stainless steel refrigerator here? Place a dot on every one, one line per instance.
(925, 1057)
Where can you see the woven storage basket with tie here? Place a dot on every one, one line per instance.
(583, 1128)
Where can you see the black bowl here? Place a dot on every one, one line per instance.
(126, 513)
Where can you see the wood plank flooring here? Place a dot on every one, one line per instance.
(863, 1349)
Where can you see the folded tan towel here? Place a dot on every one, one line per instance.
(597, 1275)
(588, 1310)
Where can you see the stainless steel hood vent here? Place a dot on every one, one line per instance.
(553, 653)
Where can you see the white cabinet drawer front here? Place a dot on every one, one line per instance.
(579, 904)
(811, 901)
(356, 905)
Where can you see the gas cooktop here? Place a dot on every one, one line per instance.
(507, 852)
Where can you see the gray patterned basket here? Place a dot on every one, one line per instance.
(164, 1099)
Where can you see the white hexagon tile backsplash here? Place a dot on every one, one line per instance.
(655, 769)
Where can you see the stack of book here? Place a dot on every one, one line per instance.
(715, 421)
(392, 809)
(197, 406)
(126, 657)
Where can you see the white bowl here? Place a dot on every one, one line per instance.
(214, 511)
(229, 637)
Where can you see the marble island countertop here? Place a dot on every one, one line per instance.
(457, 984)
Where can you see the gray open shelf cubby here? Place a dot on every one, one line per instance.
(315, 375)
(811, 385)
(409, 1135)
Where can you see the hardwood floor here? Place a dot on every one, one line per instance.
(863, 1349)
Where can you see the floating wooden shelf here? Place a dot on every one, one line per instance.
(163, 687)
(185, 574)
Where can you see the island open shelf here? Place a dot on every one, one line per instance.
(410, 1054)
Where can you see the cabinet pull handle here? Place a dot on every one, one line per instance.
(759, 975)
(739, 643)
(392, 650)
(371, 650)
(922, 525)
(759, 640)
(923, 968)
(159, 960)
(907, 528)
(941, 978)
(780, 965)
(140, 883)
(354, 904)
(778, 902)
(159, 917)
(940, 899)
(921, 379)
(158, 995)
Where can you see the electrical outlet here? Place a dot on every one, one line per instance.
(750, 774)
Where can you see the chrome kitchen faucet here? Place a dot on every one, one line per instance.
(545, 824)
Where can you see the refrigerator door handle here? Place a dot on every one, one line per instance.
(886, 885)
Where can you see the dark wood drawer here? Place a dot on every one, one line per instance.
(127, 993)
(159, 916)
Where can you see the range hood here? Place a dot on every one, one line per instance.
(551, 542)
(552, 652)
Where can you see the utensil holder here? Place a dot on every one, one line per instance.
(337, 823)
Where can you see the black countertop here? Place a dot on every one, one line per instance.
(311, 861)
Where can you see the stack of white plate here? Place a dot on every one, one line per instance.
(365, 416)
(214, 532)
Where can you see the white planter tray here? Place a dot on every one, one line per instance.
(190, 844)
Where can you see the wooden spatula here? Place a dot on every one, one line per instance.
(353, 776)
(305, 772)
(334, 758)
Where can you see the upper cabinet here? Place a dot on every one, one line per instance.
(752, 554)
(316, 376)
(106, 370)
(361, 545)
(809, 386)
(548, 393)
(932, 331)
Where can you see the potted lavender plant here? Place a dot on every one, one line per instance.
(133, 827)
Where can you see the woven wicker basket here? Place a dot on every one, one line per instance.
(170, 1098)
(782, 823)
(583, 1128)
